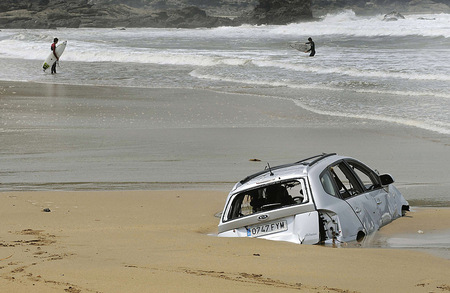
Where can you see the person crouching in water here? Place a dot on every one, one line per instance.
(312, 47)
(53, 47)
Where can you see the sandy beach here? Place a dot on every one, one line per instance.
(162, 241)
(77, 150)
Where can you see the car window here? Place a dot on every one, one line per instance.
(368, 178)
(346, 182)
(327, 184)
(268, 198)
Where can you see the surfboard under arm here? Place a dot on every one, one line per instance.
(299, 46)
(51, 57)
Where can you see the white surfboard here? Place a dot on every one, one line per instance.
(299, 46)
(51, 58)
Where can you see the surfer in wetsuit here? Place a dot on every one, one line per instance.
(312, 47)
(53, 47)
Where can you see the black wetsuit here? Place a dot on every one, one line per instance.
(53, 47)
(312, 49)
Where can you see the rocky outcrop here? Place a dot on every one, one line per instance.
(393, 16)
(83, 13)
(190, 17)
(230, 8)
(278, 12)
(113, 13)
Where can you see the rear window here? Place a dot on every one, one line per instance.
(268, 198)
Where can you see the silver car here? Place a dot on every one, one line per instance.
(323, 199)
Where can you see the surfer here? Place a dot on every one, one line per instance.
(53, 47)
(312, 47)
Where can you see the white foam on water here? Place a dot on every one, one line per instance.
(443, 128)
(347, 23)
(352, 71)
(435, 126)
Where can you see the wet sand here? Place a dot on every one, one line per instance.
(194, 144)
(68, 137)
(159, 241)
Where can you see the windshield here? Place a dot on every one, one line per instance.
(267, 198)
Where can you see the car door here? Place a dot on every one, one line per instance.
(372, 187)
(351, 190)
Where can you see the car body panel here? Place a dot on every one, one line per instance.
(366, 210)
(266, 216)
(301, 229)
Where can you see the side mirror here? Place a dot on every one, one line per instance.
(386, 179)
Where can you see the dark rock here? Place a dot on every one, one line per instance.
(278, 12)
(191, 17)
(84, 15)
(393, 16)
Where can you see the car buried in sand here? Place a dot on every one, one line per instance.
(323, 199)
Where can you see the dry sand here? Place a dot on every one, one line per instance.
(159, 241)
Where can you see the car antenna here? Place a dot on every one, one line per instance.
(268, 168)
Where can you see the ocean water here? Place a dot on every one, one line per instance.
(398, 72)
(394, 71)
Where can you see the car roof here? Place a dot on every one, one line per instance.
(287, 171)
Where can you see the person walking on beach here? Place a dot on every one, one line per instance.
(312, 47)
(53, 47)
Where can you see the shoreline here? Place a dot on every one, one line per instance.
(160, 241)
(50, 130)
(433, 132)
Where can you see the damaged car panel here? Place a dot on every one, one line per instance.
(325, 198)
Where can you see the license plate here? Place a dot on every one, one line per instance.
(267, 228)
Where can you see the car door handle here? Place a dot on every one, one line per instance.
(378, 201)
(357, 210)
